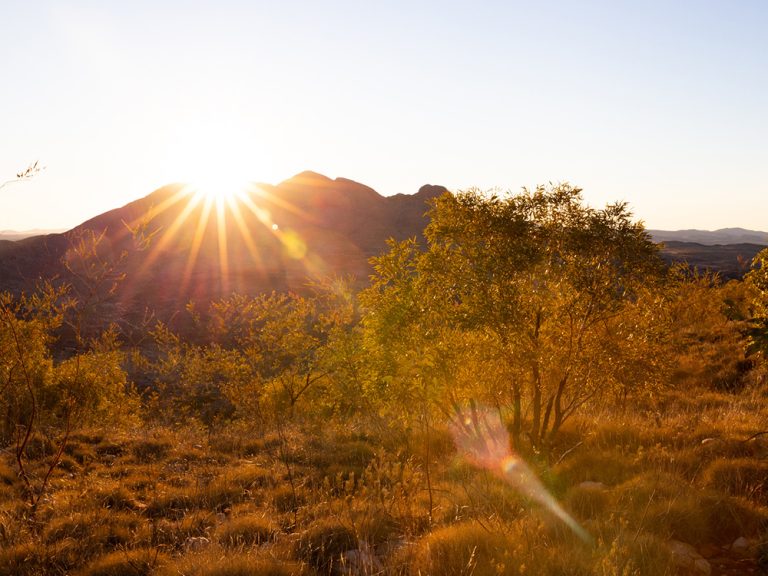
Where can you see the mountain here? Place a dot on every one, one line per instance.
(13, 235)
(274, 238)
(173, 247)
(712, 237)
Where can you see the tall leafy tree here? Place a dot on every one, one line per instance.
(559, 293)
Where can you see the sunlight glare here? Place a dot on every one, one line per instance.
(482, 437)
(218, 189)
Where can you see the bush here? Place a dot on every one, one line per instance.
(140, 562)
(322, 544)
(739, 477)
(246, 531)
(610, 467)
(462, 550)
(213, 564)
(150, 450)
(587, 503)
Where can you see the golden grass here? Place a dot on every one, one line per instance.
(121, 504)
(138, 562)
(246, 531)
(216, 563)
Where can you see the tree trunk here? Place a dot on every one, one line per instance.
(559, 415)
(517, 415)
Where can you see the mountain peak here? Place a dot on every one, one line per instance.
(307, 177)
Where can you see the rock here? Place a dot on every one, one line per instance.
(196, 543)
(686, 557)
(360, 561)
(591, 485)
(740, 545)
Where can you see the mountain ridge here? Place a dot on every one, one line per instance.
(278, 238)
(721, 236)
(172, 249)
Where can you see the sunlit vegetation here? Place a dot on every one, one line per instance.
(352, 432)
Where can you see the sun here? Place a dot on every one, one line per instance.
(218, 188)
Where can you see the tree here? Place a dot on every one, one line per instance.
(757, 280)
(548, 285)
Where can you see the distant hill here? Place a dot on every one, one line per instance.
(727, 251)
(14, 235)
(712, 237)
(278, 237)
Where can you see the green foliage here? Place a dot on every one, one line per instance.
(757, 280)
(706, 330)
(552, 302)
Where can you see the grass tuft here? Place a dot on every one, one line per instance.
(246, 531)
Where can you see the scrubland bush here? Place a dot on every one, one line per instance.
(246, 531)
(217, 563)
(739, 477)
(322, 543)
(138, 562)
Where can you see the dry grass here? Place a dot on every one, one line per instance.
(172, 502)
(139, 562)
(246, 531)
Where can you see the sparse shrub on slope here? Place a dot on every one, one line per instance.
(216, 563)
(246, 531)
(139, 562)
(742, 476)
(323, 542)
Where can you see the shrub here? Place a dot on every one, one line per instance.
(7, 474)
(213, 564)
(638, 555)
(322, 543)
(284, 499)
(464, 549)
(139, 562)
(175, 533)
(739, 477)
(587, 502)
(246, 531)
(608, 466)
(150, 450)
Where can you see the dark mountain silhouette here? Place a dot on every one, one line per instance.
(172, 249)
(277, 238)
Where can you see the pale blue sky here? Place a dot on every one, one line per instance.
(661, 104)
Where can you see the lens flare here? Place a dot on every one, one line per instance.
(482, 437)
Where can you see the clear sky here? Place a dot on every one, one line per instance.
(661, 104)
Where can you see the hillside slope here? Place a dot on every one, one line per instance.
(272, 238)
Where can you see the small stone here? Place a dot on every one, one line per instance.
(196, 543)
(360, 561)
(740, 545)
(686, 557)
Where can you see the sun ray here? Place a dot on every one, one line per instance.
(197, 242)
(246, 235)
(168, 235)
(221, 229)
(281, 203)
